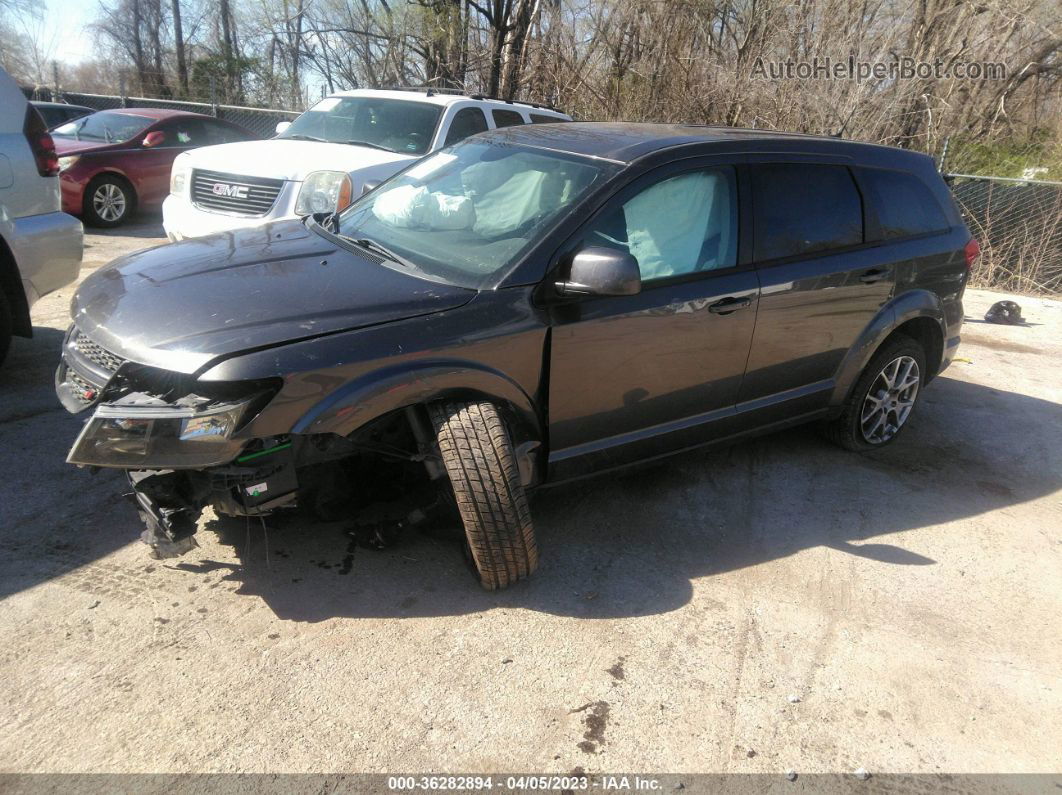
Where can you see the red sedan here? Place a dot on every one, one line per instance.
(114, 161)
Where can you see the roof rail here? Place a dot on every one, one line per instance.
(430, 90)
(541, 105)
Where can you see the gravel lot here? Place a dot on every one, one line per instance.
(783, 604)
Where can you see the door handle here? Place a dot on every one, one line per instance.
(728, 305)
(875, 275)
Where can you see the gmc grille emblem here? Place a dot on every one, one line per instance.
(233, 191)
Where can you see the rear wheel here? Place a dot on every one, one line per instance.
(883, 398)
(109, 201)
(478, 456)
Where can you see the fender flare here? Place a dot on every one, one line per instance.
(907, 306)
(380, 392)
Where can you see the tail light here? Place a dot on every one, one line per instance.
(972, 252)
(41, 143)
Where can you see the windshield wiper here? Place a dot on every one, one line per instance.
(301, 137)
(372, 245)
(330, 223)
(369, 144)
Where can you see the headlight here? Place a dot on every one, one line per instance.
(67, 162)
(178, 178)
(324, 192)
(133, 437)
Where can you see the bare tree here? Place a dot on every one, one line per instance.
(178, 46)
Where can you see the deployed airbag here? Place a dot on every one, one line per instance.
(667, 223)
(411, 206)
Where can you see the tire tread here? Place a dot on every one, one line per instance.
(478, 456)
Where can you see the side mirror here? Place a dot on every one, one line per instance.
(282, 125)
(154, 138)
(602, 271)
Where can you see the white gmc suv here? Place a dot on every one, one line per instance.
(344, 145)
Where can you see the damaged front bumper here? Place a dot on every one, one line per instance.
(171, 501)
(179, 461)
(176, 440)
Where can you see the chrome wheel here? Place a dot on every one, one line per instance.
(890, 399)
(109, 202)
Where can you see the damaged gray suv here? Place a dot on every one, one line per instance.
(532, 305)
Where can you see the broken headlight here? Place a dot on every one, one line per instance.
(136, 437)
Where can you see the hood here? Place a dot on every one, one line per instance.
(179, 306)
(280, 158)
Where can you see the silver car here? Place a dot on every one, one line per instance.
(40, 247)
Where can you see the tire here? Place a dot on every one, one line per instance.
(478, 457)
(862, 426)
(6, 323)
(109, 201)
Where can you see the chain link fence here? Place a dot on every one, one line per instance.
(1011, 197)
(1019, 226)
(260, 121)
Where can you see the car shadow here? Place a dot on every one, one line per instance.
(53, 517)
(26, 384)
(633, 543)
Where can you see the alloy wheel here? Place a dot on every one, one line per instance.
(109, 202)
(890, 399)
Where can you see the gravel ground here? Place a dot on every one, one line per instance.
(779, 605)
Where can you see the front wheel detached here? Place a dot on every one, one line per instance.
(479, 459)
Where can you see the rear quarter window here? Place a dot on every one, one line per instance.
(904, 204)
(466, 122)
(506, 118)
(802, 208)
(52, 116)
(541, 118)
(223, 134)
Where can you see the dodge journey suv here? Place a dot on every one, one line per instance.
(529, 306)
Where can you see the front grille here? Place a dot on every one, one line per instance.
(95, 354)
(234, 194)
(85, 370)
(83, 392)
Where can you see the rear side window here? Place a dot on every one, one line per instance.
(185, 131)
(506, 118)
(221, 133)
(904, 204)
(802, 208)
(467, 121)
